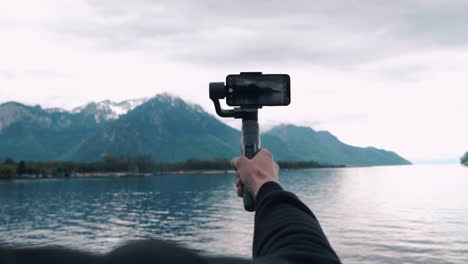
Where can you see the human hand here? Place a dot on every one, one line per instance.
(253, 173)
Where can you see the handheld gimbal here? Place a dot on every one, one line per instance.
(250, 91)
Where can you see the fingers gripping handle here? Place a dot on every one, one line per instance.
(247, 197)
(249, 202)
(250, 141)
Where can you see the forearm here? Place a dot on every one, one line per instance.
(286, 229)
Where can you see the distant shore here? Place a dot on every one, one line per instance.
(128, 166)
(133, 174)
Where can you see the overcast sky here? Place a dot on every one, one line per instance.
(389, 74)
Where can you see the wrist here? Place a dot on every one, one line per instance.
(260, 184)
(267, 188)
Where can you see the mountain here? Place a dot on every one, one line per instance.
(164, 127)
(32, 133)
(324, 147)
(107, 110)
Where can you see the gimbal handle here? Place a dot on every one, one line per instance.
(250, 133)
(250, 142)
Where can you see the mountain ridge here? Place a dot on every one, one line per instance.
(325, 147)
(165, 127)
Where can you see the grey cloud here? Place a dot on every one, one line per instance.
(443, 25)
(331, 33)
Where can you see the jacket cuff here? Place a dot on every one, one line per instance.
(265, 189)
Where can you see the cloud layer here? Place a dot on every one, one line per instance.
(332, 33)
(384, 73)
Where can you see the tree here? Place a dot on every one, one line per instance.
(9, 161)
(21, 168)
(116, 163)
(7, 171)
(144, 163)
(464, 159)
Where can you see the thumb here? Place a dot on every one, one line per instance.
(236, 162)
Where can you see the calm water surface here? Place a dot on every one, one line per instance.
(401, 214)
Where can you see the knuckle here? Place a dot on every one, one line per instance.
(233, 162)
(257, 172)
(236, 161)
(241, 161)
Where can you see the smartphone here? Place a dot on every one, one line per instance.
(257, 89)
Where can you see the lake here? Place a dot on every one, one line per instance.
(397, 214)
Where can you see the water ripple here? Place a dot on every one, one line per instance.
(402, 214)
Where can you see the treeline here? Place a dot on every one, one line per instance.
(304, 165)
(113, 163)
(117, 163)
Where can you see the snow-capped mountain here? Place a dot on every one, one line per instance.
(55, 110)
(166, 128)
(107, 109)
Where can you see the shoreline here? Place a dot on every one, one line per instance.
(133, 175)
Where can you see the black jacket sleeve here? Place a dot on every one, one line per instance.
(285, 232)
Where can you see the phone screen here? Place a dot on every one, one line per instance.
(258, 89)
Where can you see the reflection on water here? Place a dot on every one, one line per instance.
(401, 214)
